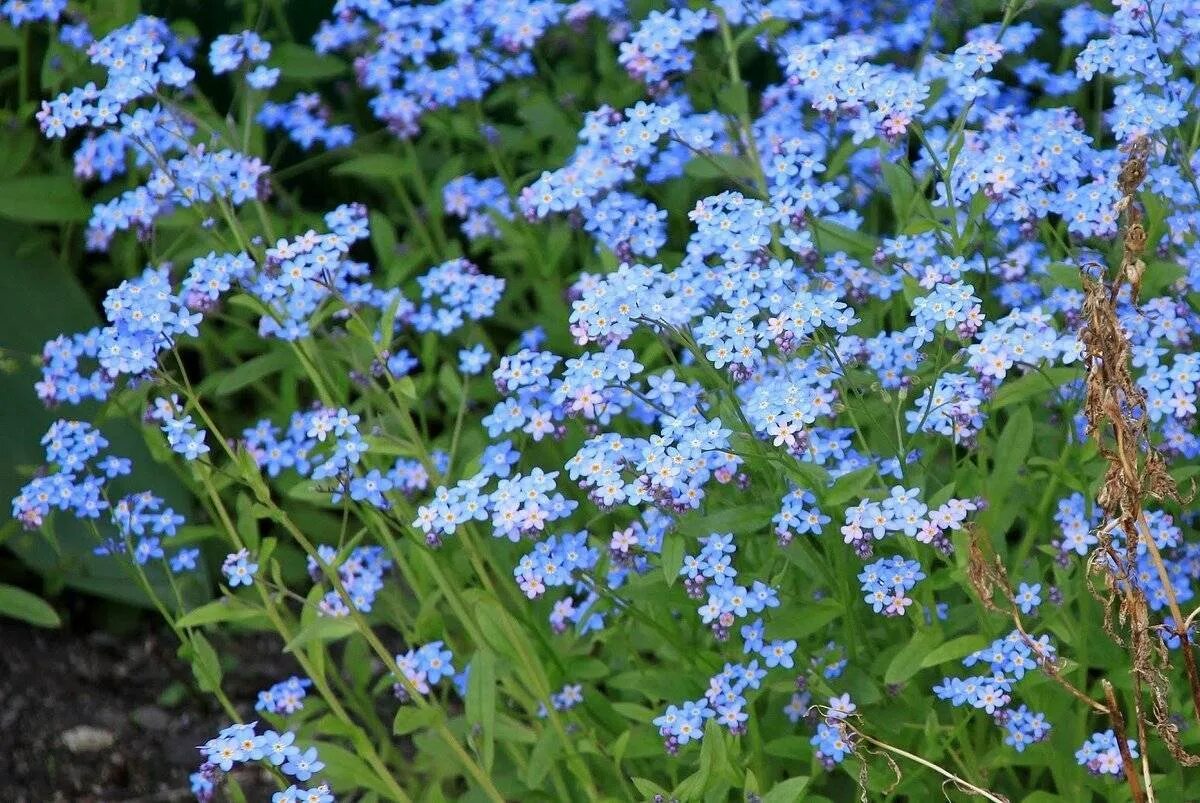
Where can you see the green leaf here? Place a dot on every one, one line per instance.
(234, 790)
(547, 749)
(383, 166)
(907, 662)
(648, 788)
(714, 752)
(226, 609)
(1011, 450)
(654, 684)
(43, 199)
(954, 649)
(716, 165)
(808, 619)
(692, 787)
(831, 236)
(17, 603)
(1032, 384)
(305, 64)
(740, 520)
(787, 791)
(672, 556)
(450, 385)
(252, 371)
(383, 240)
(322, 629)
(638, 713)
(1063, 275)
(849, 486)
(509, 730)
(492, 625)
(206, 666)
(586, 669)
(481, 704)
(345, 770)
(410, 718)
(901, 188)
(734, 98)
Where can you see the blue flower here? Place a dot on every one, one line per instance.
(303, 765)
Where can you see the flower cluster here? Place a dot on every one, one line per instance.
(902, 512)
(243, 744)
(361, 571)
(398, 50)
(305, 120)
(1101, 753)
(20, 12)
(868, 316)
(477, 201)
(423, 667)
(886, 583)
(82, 484)
(1008, 660)
(238, 568)
(285, 697)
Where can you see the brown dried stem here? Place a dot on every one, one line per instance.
(1118, 720)
(1117, 420)
(1181, 624)
(988, 577)
(847, 727)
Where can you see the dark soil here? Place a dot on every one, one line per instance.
(135, 692)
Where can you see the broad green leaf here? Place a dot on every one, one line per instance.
(804, 620)
(206, 666)
(692, 787)
(252, 371)
(633, 711)
(849, 486)
(225, 609)
(17, 603)
(901, 188)
(543, 756)
(953, 650)
(907, 662)
(648, 788)
(43, 199)
(714, 753)
(322, 629)
(586, 669)
(672, 556)
(235, 792)
(302, 63)
(716, 165)
(509, 730)
(492, 624)
(787, 791)
(412, 718)
(481, 704)
(740, 520)
(383, 240)
(345, 771)
(831, 237)
(1034, 383)
(382, 166)
(654, 684)
(1011, 450)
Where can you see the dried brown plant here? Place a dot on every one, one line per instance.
(1117, 420)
